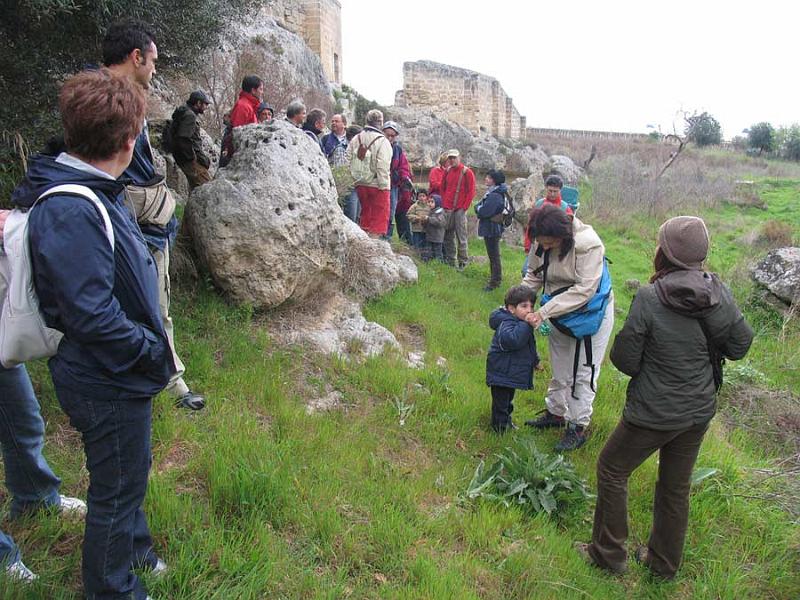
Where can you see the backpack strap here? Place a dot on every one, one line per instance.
(84, 192)
(458, 185)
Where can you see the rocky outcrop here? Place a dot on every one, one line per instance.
(424, 136)
(269, 230)
(779, 272)
(565, 168)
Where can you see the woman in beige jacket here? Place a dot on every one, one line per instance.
(567, 261)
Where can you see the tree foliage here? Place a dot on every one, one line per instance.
(43, 40)
(703, 129)
(762, 137)
(790, 147)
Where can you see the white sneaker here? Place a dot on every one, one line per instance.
(72, 507)
(19, 572)
(159, 569)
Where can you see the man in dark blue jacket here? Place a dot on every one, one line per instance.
(115, 354)
(129, 51)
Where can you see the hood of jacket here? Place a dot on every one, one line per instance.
(689, 292)
(45, 173)
(500, 315)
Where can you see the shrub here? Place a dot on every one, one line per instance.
(776, 234)
(522, 475)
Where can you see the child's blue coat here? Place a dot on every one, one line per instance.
(512, 354)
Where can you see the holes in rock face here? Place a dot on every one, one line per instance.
(322, 182)
(292, 206)
(282, 145)
(311, 170)
(278, 210)
(266, 140)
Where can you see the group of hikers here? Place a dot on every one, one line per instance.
(100, 221)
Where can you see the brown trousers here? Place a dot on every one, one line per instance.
(456, 231)
(627, 448)
(195, 173)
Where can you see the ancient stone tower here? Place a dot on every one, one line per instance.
(319, 23)
(476, 101)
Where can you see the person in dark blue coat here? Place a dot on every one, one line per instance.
(115, 355)
(512, 354)
(490, 225)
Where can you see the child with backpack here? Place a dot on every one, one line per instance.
(417, 215)
(512, 354)
(435, 223)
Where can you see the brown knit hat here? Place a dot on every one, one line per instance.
(684, 241)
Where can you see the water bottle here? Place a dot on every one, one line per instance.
(544, 329)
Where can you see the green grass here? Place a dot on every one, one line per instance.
(253, 498)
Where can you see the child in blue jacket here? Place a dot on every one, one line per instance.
(512, 354)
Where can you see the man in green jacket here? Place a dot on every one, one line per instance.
(187, 146)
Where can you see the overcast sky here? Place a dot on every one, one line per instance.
(617, 65)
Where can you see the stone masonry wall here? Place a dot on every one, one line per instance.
(319, 23)
(476, 101)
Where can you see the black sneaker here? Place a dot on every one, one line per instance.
(546, 421)
(191, 401)
(574, 437)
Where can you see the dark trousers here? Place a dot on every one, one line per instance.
(495, 267)
(434, 250)
(418, 239)
(502, 407)
(627, 448)
(116, 441)
(403, 226)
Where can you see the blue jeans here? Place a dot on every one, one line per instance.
(525, 265)
(28, 476)
(352, 207)
(116, 441)
(418, 239)
(394, 196)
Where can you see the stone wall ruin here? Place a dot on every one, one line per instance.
(476, 101)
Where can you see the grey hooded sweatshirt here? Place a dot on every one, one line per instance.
(663, 348)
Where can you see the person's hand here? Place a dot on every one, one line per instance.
(534, 319)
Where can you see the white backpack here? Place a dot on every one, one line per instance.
(23, 333)
(361, 161)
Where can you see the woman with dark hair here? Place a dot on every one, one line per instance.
(677, 331)
(489, 228)
(567, 263)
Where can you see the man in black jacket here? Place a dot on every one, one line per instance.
(187, 146)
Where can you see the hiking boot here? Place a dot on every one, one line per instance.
(546, 421)
(501, 429)
(582, 548)
(191, 401)
(19, 572)
(574, 437)
(490, 287)
(71, 507)
(642, 557)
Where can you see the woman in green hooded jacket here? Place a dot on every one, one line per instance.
(678, 329)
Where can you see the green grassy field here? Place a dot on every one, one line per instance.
(254, 498)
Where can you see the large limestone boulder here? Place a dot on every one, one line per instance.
(779, 272)
(425, 136)
(269, 229)
(566, 168)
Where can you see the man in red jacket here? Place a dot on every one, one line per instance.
(245, 111)
(458, 190)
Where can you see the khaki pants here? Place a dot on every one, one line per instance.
(456, 229)
(627, 448)
(559, 398)
(177, 386)
(195, 173)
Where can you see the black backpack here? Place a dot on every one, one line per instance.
(506, 217)
(168, 136)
